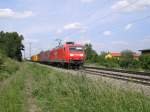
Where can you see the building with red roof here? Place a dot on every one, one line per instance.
(118, 55)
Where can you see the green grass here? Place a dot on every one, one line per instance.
(59, 92)
(56, 91)
(8, 68)
(11, 86)
(116, 67)
(12, 94)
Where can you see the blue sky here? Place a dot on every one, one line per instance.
(110, 25)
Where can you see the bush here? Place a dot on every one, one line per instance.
(145, 61)
(7, 67)
(126, 58)
(123, 64)
(11, 66)
(1, 61)
(135, 64)
(110, 63)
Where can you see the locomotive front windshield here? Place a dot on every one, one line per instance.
(76, 49)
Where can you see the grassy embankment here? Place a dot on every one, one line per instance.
(11, 87)
(54, 91)
(60, 92)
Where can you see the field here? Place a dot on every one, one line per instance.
(35, 88)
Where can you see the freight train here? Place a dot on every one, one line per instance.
(67, 55)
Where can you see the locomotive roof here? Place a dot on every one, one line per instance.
(67, 45)
(73, 45)
(145, 50)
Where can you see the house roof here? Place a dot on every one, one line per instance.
(145, 50)
(116, 54)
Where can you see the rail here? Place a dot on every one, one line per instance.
(132, 76)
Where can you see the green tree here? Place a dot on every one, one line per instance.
(134, 65)
(101, 58)
(11, 44)
(126, 58)
(91, 54)
(145, 61)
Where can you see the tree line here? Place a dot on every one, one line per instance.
(125, 61)
(11, 46)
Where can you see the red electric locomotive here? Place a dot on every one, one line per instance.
(69, 55)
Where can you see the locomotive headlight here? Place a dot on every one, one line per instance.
(81, 54)
(71, 54)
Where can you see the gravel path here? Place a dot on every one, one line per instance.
(31, 101)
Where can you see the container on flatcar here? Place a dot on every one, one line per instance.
(35, 58)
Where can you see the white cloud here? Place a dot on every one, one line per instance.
(87, 1)
(107, 33)
(9, 13)
(130, 5)
(128, 26)
(81, 40)
(72, 26)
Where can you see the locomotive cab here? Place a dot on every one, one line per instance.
(76, 54)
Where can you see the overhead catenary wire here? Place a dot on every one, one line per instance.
(114, 12)
(133, 22)
(111, 13)
(140, 19)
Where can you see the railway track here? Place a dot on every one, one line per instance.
(131, 76)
